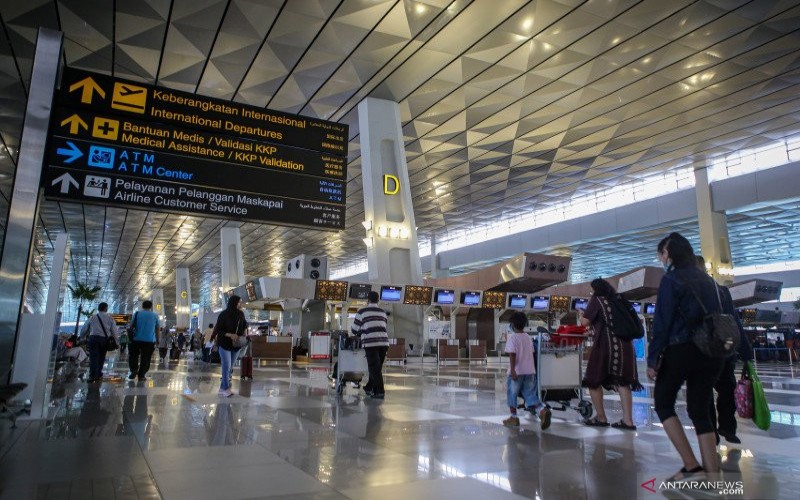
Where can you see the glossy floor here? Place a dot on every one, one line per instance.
(438, 434)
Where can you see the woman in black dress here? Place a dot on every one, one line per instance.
(612, 362)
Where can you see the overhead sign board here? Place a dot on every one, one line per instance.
(118, 143)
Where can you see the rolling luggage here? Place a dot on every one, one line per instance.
(174, 353)
(246, 365)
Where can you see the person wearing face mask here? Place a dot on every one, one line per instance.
(231, 324)
(674, 359)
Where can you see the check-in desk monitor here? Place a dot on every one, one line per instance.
(517, 301)
(471, 298)
(359, 291)
(580, 304)
(390, 293)
(650, 308)
(540, 303)
(444, 297)
(637, 306)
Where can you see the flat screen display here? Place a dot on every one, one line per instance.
(580, 304)
(443, 296)
(471, 298)
(540, 303)
(359, 291)
(517, 301)
(391, 293)
(650, 308)
(637, 306)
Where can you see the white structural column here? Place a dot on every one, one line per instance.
(183, 298)
(231, 253)
(714, 243)
(392, 251)
(158, 304)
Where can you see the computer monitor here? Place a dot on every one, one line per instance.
(517, 301)
(580, 303)
(360, 291)
(540, 303)
(391, 293)
(650, 308)
(444, 296)
(637, 306)
(471, 298)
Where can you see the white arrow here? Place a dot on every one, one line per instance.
(66, 180)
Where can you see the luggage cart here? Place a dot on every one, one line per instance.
(559, 364)
(352, 363)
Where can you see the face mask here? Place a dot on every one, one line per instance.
(667, 264)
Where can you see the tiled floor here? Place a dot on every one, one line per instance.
(286, 435)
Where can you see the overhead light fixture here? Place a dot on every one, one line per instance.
(367, 224)
(394, 232)
(383, 231)
(368, 241)
(404, 233)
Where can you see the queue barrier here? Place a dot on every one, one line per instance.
(776, 354)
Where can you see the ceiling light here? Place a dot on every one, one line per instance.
(367, 224)
(527, 23)
(394, 232)
(383, 231)
(420, 8)
(404, 232)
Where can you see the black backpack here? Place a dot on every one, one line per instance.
(625, 323)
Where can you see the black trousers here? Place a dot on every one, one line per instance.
(97, 356)
(375, 359)
(726, 402)
(685, 363)
(139, 359)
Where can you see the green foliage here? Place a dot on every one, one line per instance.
(796, 304)
(82, 292)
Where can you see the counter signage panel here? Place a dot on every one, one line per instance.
(119, 143)
(359, 291)
(183, 109)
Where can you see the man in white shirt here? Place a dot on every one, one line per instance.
(101, 328)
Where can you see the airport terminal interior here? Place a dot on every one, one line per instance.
(466, 160)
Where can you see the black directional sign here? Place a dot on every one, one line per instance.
(120, 143)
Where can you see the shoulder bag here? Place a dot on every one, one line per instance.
(716, 335)
(111, 345)
(132, 329)
(240, 340)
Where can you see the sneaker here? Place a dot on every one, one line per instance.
(512, 421)
(142, 378)
(131, 376)
(544, 417)
(729, 437)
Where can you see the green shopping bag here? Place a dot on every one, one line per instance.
(761, 415)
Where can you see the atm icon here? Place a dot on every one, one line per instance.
(101, 157)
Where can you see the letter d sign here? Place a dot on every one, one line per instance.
(390, 180)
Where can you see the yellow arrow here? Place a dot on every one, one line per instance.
(87, 86)
(75, 124)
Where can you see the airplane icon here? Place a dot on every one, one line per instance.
(127, 97)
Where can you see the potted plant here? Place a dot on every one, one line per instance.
(81, 293)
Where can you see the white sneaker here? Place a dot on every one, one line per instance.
(226, 393)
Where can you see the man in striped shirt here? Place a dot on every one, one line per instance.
(370, 325)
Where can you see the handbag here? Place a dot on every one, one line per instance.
(240, 340)
(717, 335)
(743, 395)
(761, 415)
(111, 345)
(132, 328)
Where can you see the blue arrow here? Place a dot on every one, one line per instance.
(72, 154)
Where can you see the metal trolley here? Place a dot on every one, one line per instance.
(351, 362)
(559, 364)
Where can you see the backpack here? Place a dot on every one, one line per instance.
(717, 334)
(625, 323)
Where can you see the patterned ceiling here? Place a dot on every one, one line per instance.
(506, 104)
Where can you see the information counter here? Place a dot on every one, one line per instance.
(270, 347)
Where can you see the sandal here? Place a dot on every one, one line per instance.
(622, 425)
(684, 474)
(594, 422)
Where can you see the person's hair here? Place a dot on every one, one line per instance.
(602, 288)
(373, 297)
(102, 307)
(233, 301)
(147, 304)
(518, 320)
(679, 250)
(211, 325)
(701, 262)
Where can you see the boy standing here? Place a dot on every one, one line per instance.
(522, 373)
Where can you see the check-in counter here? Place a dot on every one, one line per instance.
(397, 350)
(271, 347)
(448, 350)
(476, 350)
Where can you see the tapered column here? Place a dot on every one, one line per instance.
(183, 298)
(714, 243)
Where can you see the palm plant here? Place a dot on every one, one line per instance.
(82, 292)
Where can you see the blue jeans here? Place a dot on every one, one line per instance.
(97, 356)
(227, 358)
(525, 385)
